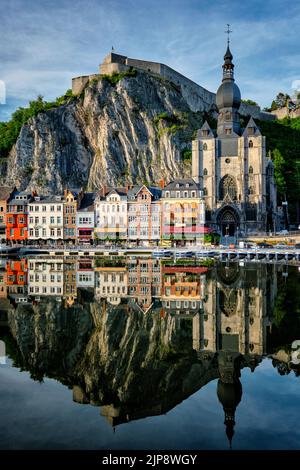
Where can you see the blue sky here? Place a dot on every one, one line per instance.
(46, 43)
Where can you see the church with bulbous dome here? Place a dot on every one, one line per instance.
(231, 167)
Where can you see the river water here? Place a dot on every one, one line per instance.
(139, 354)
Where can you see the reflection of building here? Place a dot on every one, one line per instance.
(16, 280)
(183, 289)
(85, 275)
(46, 277)
(70, 286)
(237, 308)
(144, 280)
(111, 284)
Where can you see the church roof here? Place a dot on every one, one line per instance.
(207, 130)
(251, 128)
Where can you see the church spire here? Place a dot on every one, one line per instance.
(228, 98)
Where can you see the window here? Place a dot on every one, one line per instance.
(178, 194)
(167, 194)
(58, 208)
(36, 220)
(52, 232)
(30, 220)
(52, 208)
(204, 146)
(186, 194)
(205, 172)
(31, 208)
(250, 144)
(31, 232)
(228, 131)
(204, 192)
(228, 187)
(250, 170)
(36, 208)
(58, 220)
(43, 220)
(44, 208)
(44, 232)
(205, 132)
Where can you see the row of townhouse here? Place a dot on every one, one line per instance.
(136, 214)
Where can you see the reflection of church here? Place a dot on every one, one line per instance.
(236, 309)
(232, 168)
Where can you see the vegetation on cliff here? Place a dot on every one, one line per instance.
(283, 145)
(9, 131)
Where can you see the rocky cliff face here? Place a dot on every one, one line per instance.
(134, 130)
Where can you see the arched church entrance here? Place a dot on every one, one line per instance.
(228, 221)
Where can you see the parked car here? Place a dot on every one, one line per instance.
(282, 232)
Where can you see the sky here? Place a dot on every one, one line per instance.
(46, 43)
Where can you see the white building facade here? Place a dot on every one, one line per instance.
(45, 219)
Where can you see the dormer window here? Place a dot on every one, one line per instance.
(187, 185)
(177, 185)
(228, 131)
(251, 130)
(205, 133)
(205, 146)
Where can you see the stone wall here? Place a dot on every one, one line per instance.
(285, 112)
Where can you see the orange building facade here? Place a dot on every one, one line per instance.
(17, 219)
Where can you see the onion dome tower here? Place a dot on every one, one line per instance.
(228, 100)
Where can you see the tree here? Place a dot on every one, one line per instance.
(282, 99)
(279, 170)
(251, 102)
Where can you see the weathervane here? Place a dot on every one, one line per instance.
(228, 31)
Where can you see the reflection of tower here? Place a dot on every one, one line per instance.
(229, 388)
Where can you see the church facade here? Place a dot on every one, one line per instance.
(232, 169)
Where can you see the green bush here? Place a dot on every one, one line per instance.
(115, 77)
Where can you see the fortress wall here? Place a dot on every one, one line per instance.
(78, 83)
(197, 97)
(285, 112)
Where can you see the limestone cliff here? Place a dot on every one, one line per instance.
(134, 128)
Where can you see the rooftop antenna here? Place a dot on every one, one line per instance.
(228, 32)
(112, 48)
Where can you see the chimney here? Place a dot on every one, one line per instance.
(103, 190)
(162, 183)
(65, 192)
